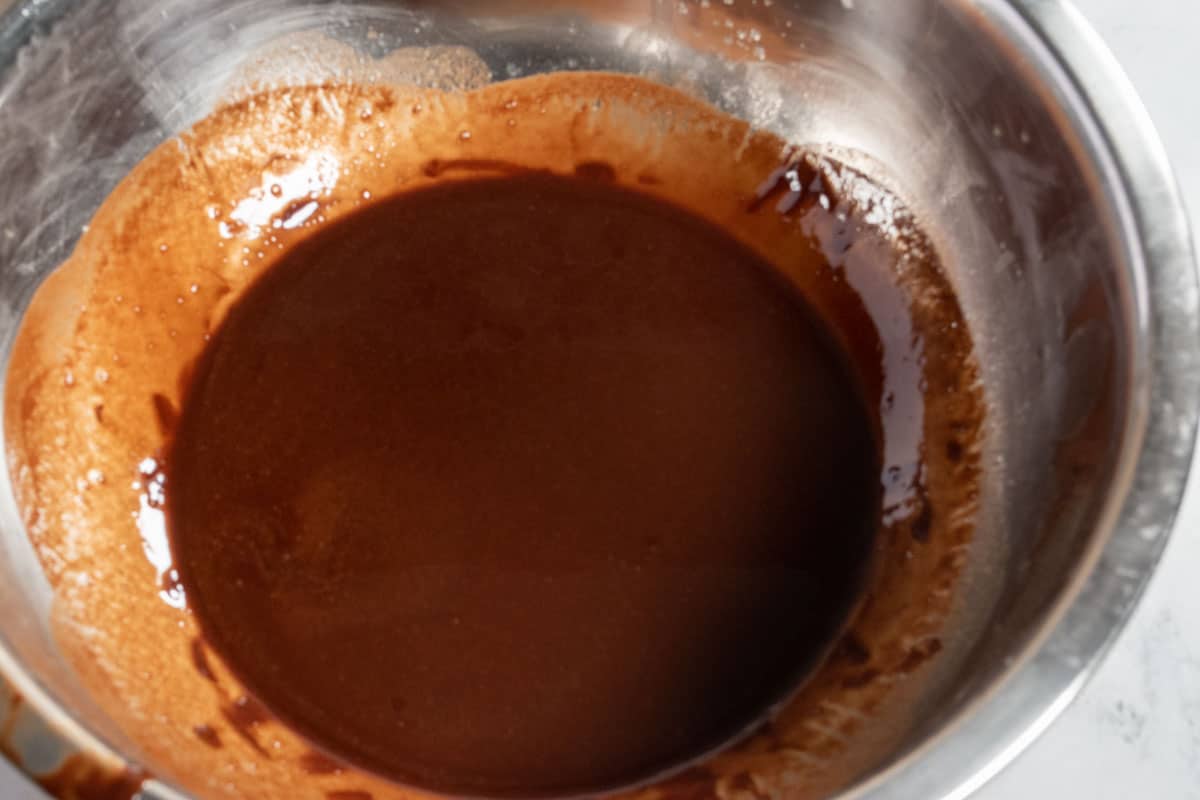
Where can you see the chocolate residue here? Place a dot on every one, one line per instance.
(435, 168)
(920, 654)
(166, 413)
(596, 171)
(922, 523)
(791, 182)
(853, 649)
(245, 714)
(208, 735)
(315, 763)
(200, 661)
(860, 679)
(79, 778)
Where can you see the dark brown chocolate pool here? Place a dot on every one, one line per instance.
(524, 485)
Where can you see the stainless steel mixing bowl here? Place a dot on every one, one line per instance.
(1005, 123)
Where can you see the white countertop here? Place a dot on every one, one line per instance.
(1135, 731)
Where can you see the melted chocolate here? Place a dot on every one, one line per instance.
(522, 486)
(80, 779)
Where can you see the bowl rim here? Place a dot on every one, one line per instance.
(1134, 525)
(981, 739)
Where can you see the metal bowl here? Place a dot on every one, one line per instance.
(1004, 123)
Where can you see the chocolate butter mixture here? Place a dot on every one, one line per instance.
(524, 441)
(522, 485)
